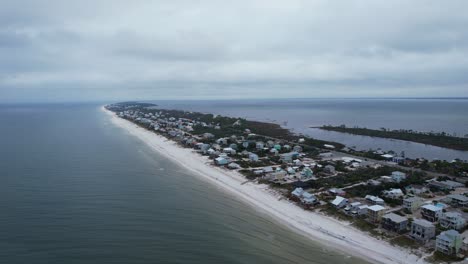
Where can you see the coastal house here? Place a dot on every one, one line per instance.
(221, 161)
(308, 198)
(337, 191)
(361, 209)
(339, 202)
(374, 200)
(416, 189)
(207, 136)
(329, 169)
(431, 212)
(445, 185)
(398, 176)
(230, 151)
(278, 176)
(307, 173)
(297, 148)
(398, 160)
(259, 145)
(393, 193)
(449, 242)
(268, 169)
(222, 141)
(422, 230)
(412, 204)
(305, 197)
(233, 166)
(328, 146)
(253, 157)
(356, 208)
(457, 200)
(394, 222)
(233, 146)
(274, 152)
(288, 157)
(452, 220)
(375, 213)
(326, 155)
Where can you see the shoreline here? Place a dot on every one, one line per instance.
(325, 230)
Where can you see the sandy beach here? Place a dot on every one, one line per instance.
(328, 231)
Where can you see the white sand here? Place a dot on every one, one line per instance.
(330, 232)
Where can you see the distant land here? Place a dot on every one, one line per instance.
(441, 139)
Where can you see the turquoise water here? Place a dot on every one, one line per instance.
(76, 189)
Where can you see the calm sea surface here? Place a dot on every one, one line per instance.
(76, 189)
(447, 115)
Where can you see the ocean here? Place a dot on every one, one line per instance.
(76, 189)
(299, 115)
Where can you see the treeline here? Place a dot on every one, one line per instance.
(430, 138)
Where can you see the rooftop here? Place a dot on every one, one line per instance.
(395, 218)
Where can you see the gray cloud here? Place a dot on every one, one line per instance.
(92, 50)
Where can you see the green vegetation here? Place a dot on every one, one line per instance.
(404, 241)
(439, 257)
(430, 138)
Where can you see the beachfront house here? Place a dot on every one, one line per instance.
(457, 200)
(431, 212)
(449, 242)
(221, 161)
(357, 208)
(412, 204)
(229, 151)
(422, 230)
(394, 222)
(452, 220)
(374, 200)
(233, 166)
(398, 176)
(305, 197)
(340, 202)
(375, 213)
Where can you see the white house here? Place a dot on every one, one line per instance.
(393, 193)
(398, 176)
(449, 242)
(340, 202)
(452, 220)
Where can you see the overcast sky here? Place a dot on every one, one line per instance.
(122, 50)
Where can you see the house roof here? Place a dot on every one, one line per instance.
(431, 207)
(395, 218)
(422, 222)
(338, 200)
(458, 197)
(376, 208)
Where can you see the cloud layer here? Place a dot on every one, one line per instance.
(112, 50)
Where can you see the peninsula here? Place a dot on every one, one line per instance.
(378, 210)
(442, 139)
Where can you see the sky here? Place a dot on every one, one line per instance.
(145, 50)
